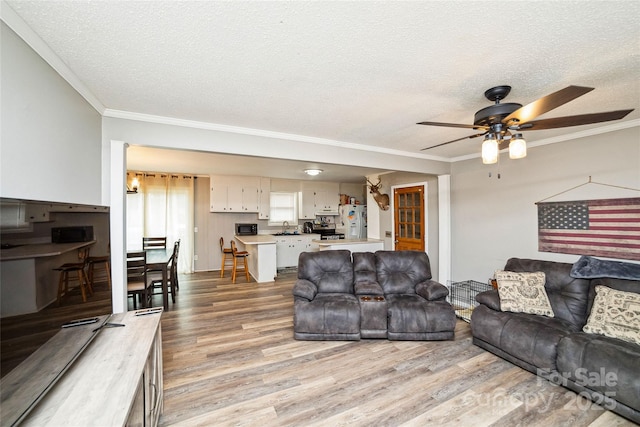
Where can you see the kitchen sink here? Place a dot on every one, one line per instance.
(286, 234)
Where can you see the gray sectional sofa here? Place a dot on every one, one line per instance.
(386, 294)
(601, 367)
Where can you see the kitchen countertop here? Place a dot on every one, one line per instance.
(346, 242)
(259, 239)
(40, 250)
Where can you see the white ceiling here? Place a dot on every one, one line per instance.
(357, 72)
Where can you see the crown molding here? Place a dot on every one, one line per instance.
(119, 114)
(560, 138)
(17, 24)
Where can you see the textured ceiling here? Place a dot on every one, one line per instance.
(358, 72)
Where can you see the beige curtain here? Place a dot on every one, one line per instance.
(163, 206)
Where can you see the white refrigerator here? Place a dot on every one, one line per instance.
(352, 221)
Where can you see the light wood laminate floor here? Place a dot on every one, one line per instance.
(230, 360)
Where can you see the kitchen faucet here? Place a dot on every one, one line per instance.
(285, 226)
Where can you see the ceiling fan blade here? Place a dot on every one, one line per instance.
(455, 140)
(452, 125)
(545, 104)
(582, 119)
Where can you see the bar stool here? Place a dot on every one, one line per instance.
(225, 252)
(101, 262)
(78, 268)
(239, 254)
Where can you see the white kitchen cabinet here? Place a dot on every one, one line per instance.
(288, 248)
(250, 195)
(238, 194)
(264, 207)
(327, 200)
(286, 252)
(318, 198)
(307, 205)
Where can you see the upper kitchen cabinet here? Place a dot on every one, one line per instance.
(319, 198)
(263, 205)
(238, 194)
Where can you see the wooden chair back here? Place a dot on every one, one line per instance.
(137, 266)
(154, 243)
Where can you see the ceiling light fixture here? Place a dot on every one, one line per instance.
(313, 172)
(517, 147)
(490, 150)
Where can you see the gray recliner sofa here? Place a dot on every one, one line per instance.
(605, 369)
(386, 294)
(325, 306)
(416, 306)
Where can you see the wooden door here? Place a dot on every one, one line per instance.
(409, 218)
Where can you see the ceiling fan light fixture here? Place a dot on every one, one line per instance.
(517, 147)
(490, 150)
(313, 172)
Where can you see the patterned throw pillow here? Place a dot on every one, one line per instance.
(523, 293)
(615, 314)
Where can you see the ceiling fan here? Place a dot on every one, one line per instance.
(498, 121)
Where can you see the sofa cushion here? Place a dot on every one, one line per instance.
(615, 314)
(567, 295)
(329, 314)
(607, 365)
(523, 293)
(398, 272)
(413, 314)
(619, 284)
(364, 267)
(330, 271)
(527, 337)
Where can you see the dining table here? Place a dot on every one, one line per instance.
(159, 260)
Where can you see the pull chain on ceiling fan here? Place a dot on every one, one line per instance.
(499, 120)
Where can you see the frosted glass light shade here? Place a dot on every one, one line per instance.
(313, 172)
(517, 147)
(490, 150)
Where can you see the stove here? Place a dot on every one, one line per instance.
(335, 236)
(327, 232)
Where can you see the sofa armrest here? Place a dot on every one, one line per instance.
(489, 298)
(367, 287)
(432, 290)
(303, 288)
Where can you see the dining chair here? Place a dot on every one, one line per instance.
(239, 255)
(172, 276)
(154, 243)
(225, 251)
(79, 268)
(137, 284)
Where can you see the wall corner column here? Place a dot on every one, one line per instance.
(118, 169)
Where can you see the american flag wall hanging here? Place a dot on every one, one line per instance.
(608, 228)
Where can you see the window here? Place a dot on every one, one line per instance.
(283, 207)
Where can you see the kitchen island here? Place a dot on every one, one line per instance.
(354, 245)
(28, 282)
(262, 256)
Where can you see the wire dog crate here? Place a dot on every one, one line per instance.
(462, 296)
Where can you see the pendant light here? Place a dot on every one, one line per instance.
(490, 150)
(517, 147)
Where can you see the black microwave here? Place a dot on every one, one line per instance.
(246, 229)
(82, 233)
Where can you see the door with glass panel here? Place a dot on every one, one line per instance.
(409, 218)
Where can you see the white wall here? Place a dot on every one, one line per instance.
(495, 219)
(158, 135)
(50, 137)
